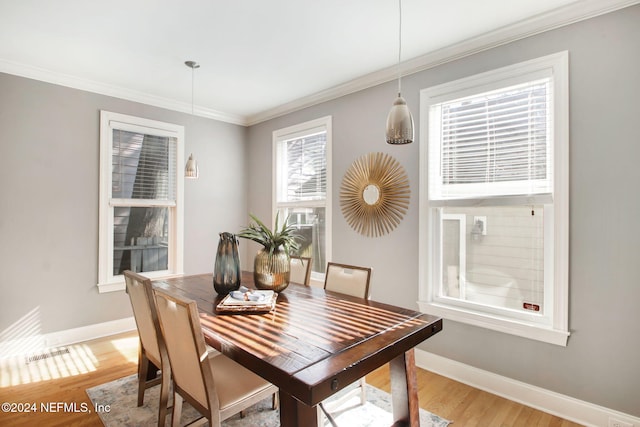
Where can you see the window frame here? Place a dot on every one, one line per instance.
(555, 330)
(296, 131)
(109, 122)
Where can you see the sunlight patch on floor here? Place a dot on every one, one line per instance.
(46, 365)
(128, 347)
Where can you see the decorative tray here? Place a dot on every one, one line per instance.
(265, 302)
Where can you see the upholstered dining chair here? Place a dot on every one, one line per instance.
(216, 386)
(349, 280)
(300, 270)
(152, 349)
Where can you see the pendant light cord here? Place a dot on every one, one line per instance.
(192, 86)
(399, 47)
(193, 65)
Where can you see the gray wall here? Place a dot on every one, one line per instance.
(49, 159)
(600, 363)
(49, 171)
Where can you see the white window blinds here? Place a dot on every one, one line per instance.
(495, 143)
(143, 166)
(304, 175)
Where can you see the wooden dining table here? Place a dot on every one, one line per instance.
(314, 343)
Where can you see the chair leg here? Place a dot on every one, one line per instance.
(363, 391)
(275, 401)
(164, 398)
(177, 410)
(320, 416)
(143, 366)
(326, 413)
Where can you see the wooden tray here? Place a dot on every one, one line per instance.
(232, 305)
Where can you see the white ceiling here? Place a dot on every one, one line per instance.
(258, 58)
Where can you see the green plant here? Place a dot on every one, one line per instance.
(283, 236)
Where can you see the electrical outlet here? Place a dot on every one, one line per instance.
(613, 422)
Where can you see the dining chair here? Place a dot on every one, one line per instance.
(300, 270)
(354, 281)
(347, 279)
(216, 386)
(152, 352)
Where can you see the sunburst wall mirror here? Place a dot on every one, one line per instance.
(374, 194)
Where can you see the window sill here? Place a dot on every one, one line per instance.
(110, 287)
(118, 284)
(496, 323)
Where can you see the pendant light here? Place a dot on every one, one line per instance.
(399, 120)
(191, 169)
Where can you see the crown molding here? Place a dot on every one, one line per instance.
(73, 82)
(566, 15)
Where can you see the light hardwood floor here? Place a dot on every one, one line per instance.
(63, 379)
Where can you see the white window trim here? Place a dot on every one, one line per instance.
(301, 129)
(108, 122)
(462, 226)
(558, 330)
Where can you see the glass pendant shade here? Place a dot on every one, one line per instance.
(399, 123)
(191, 169)
(399, 120)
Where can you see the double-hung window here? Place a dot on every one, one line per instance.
(494, 199)
(141, 201)
(302, 186)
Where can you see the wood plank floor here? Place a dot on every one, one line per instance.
(63, 379)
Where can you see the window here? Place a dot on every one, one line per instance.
(494, 199)
(140, 198)
(302, 186)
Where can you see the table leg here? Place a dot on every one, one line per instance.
(294, 413)
(404, 390)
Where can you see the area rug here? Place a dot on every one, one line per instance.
(116, 402)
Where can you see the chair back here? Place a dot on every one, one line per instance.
(140, 293)
(347, 279)
(185, 344)
(300, 270)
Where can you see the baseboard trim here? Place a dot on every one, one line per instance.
(39, 342)
(90, 332)
(563, 406)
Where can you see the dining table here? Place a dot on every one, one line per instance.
(313, 343)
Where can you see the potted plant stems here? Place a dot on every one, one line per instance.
(271, 268)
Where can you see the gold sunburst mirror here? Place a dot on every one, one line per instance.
(374, 195)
